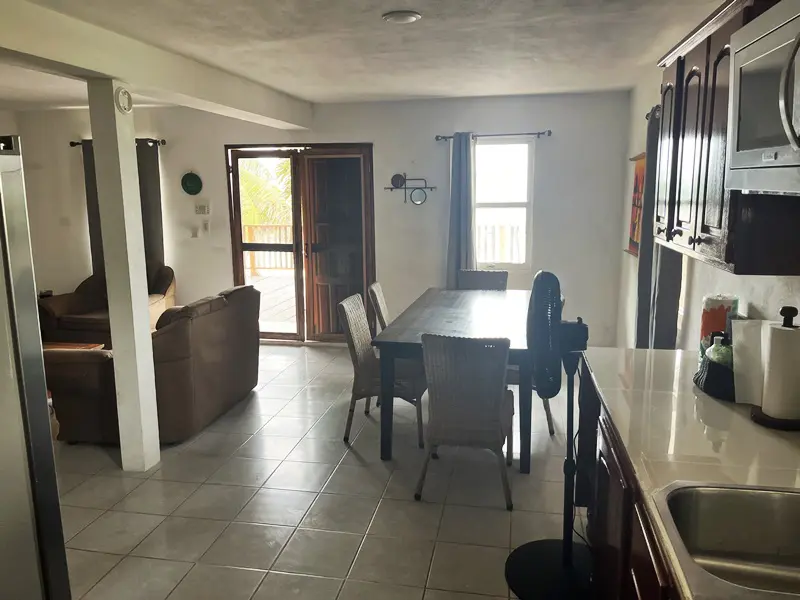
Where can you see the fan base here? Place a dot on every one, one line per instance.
(535, 571)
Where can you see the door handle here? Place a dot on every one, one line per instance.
(783, 94)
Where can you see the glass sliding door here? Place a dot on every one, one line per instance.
(267, 242)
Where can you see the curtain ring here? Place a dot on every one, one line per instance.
(418, 201)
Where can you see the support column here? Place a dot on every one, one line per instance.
(126, 276)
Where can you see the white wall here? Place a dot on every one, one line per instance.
(643, 97)
(579, 178)
(8, 123)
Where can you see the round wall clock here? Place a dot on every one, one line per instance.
(123, 100)
(191, 183)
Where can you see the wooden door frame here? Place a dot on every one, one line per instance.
(364, 150)
(232, 156)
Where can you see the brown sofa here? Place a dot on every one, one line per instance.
(206, 360)
(82, 316)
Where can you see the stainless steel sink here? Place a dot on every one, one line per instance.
(747, 536)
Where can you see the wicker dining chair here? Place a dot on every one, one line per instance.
(378, 300)
(468, 403)
(409, 380)
(474, 279)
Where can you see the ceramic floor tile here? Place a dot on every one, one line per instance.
(156, 497)
(257, 406)
(539, 496)
(333, 512)
(406, 519)
(483, 487)
(69, 481)
(178, 538)
(472, 569)
(300, 476)
(248, 545)
(323, 553)
(531, 526)
(333, 428)
(280, 586)
(265, 446)
(100, 492)
(215, 443)
(191, 468)
(395, 561)
(442, 595)
(329, 452)
(74, 519)
(357, 481)
(365, 590)
(403, 485)
(318, 393)
(277, 507)
(209, 582)
(115, 532)
(239, 423)
(244, 471)
(288, 426)
(211, 501)
(139, 579)
(82, 458)
(87, 568)
(471, 525)
(281, 392)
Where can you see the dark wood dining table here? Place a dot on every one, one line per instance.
(464, 313)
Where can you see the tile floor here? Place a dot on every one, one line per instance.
(268, 503)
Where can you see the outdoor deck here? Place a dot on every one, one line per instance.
(278, 311)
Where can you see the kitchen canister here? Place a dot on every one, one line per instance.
(781, 398)
(715, 317)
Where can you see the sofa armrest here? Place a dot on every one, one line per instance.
(65, 304)
(162, 281)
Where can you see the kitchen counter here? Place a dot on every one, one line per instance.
(674, 432)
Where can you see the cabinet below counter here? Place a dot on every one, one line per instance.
(654, 428)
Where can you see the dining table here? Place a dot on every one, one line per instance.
(461, 313)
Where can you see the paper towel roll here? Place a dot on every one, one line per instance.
(749, 345)
(781, 398)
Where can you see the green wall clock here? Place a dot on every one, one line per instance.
(191, 183)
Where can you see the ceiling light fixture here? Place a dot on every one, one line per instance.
(401, 17)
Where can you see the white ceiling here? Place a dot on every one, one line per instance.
(23, 88)
(341, 50)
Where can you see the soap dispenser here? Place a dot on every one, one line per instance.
(720, 352)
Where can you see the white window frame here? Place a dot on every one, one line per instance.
(501, 141)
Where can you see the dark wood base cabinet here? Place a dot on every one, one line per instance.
(694, 213)
(628, 563)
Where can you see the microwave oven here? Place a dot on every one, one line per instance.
(764, 103)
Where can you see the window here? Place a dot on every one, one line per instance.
(503, 194)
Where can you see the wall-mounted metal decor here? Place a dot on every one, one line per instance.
(191, 183)
(414, 188)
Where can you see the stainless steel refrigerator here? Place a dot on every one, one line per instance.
(32, 556)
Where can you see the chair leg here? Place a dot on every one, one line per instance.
(420, 435)
(510, 448)
(421, 481)
(501, 462)
(549, 416)
(366, 406)
(435, 452)
(347, 427)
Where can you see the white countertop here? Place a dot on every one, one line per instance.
(674, 432)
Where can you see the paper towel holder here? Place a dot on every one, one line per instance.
(789, 313)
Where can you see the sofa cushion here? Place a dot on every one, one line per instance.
(94, 321)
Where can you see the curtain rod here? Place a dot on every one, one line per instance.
(151, 141)
(537, 134)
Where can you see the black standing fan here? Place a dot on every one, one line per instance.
(550, 569)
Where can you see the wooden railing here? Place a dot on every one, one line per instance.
(499, 244)
(267, 234)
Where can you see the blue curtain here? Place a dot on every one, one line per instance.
(460, 246)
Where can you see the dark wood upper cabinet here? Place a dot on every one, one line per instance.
(667, 149)
(690, 145)
(694, 214)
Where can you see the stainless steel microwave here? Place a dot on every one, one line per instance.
(764, 105)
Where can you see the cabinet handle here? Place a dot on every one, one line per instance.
(660, 230)
(695, 240)
(677, 232)
(636, 584)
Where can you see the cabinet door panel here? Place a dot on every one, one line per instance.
(667, 149)
(609, 528)
(714, 220)
(646, 577)
(690, 145)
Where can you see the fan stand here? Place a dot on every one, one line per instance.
(555, 569)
